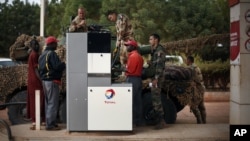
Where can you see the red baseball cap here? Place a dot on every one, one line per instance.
(131, 43)
(51, 39)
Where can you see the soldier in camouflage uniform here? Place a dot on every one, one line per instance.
(78, 24)
(158, 62)
(124, 33)
(198, 80)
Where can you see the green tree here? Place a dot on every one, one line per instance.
(53, 18)
(17, 18)
(171, 19)
(189, 19)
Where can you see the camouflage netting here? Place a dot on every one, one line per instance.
(179, 83)
(174, 72)
(19, 50)
(12, 78)
(61, 52)
(190, 45)
(176, 79)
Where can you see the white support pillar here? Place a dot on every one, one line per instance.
(37, 107)
(42, 14)
(239, 60)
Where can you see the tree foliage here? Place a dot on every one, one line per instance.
(172, 19)
(216, 72)
(16, 19)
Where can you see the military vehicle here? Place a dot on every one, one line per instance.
(13, 87)
(178, 87)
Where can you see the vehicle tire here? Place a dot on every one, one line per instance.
(17, 112)
(150, 116)
(170, 113)
(177, 104)
(5, 129)
(62, 111)
(2, 107)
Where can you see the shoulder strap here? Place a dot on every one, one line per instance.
(47, 64)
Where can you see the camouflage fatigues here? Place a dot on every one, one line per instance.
(185, 83)
(158, 62)
(199, 110)
(158, 58)
(198, 79)
(77, 21)
(124, 32)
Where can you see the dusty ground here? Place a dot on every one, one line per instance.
(217, 112)
(3, 114)
(185, 129)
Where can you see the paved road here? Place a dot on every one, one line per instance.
(217, 112)
(185, 129)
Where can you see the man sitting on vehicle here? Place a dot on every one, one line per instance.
(79, 24)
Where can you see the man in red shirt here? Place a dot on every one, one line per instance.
(133, 74)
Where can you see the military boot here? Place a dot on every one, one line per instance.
(159, 125)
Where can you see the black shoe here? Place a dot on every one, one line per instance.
(140, 124)
(159, 126)
(53, 128)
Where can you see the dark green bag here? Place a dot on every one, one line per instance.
(148, 72)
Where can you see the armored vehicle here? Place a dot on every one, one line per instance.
(14, 85)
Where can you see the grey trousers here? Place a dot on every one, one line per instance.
(51, 93)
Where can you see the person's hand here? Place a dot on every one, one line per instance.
(78, 26)
(82, 23)
(73, 24)
(154, 83)
(148, 62)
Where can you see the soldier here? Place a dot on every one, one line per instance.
(198, 79)
(158, 63)
(124, 32)
(79, 24)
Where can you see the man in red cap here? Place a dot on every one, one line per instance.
(133, 74)
(50, 70)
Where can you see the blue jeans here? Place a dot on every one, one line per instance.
(137, 98)
(51, 93)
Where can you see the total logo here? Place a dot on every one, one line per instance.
(109, 94)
